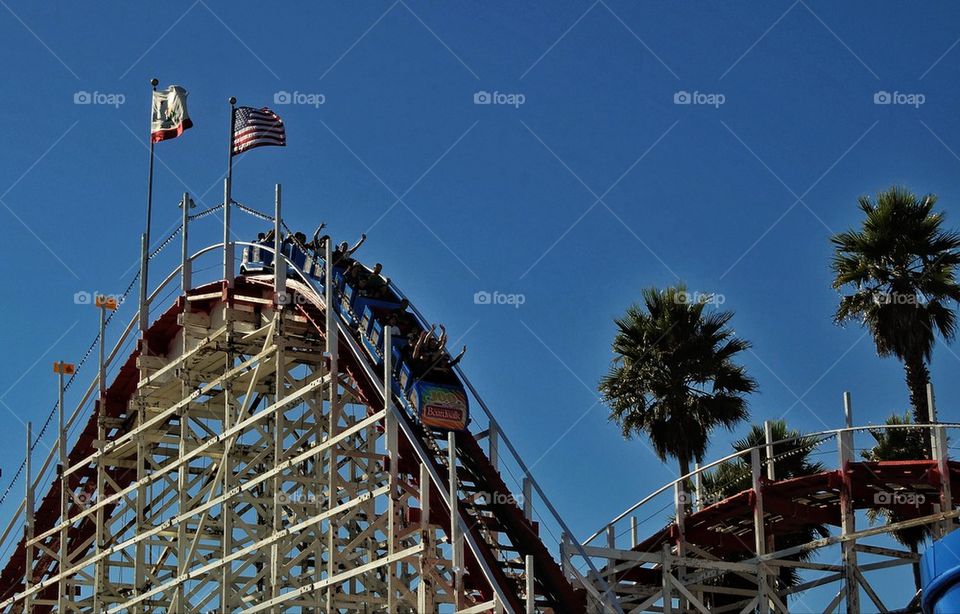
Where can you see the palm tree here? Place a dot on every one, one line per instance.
(901, 267)
(791, 459)
(899, 444)
(673, 377)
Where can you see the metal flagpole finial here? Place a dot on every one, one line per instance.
(154, 82)
(233, 100)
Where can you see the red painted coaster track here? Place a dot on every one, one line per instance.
(503, 532)
(725, 530)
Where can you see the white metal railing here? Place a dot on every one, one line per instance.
(611, 530)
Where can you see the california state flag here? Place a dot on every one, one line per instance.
(169, 118)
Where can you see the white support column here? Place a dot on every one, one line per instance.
(456, 541)
(393, 451)
(334, 417)
(183, 434)
(565, 563)
(425, 588)
(228, 246)
(697, 503)
(144, 304)
(276, 424)
(186, 267)
(28, 523)
(666, 571)
(760, 542)
(100, 567)
(768, 436)
(942, 455)
(530, 590)
(62, 562)
(847, 513)
(634, 532)
(680, 500)
(279, 264)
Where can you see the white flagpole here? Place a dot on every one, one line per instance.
(227, 186)
(145, 243)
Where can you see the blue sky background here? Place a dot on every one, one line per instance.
(597, 186)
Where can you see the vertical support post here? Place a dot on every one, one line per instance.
(100, 567)
(847, 514)
(279, 264)
(493, 443)
(228, 246)
(276, 422)
(393, 451)
(186, 267)
(634, 532)
(228, 596)
(183, 431)
(64, 490)
(698, 503)
(565, 563)
(759, 541)
(333, 477)
(144, 306)
(456, 541)
(666, 574)
(425, 588)
(530, 591)
(942, 455)
(768, 437)
(681, 499)
(28, 524)
(528, 498)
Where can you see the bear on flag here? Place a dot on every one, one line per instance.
(169, 117)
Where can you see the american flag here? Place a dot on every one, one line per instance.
(256, 128)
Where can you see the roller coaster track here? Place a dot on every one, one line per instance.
(251, 454)
(751, 536)
(245, 462)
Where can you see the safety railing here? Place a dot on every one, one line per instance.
(690, 493)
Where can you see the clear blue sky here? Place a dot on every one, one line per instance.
(597, 186)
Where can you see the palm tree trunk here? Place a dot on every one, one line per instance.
(917, 379)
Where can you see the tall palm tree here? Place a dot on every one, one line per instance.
(901, 267)
(791, 459)
(674, 377)
(899, 444)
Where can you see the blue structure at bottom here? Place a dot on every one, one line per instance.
(940, 576)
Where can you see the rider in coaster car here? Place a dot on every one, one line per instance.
(372, 284)
(342, 256)
(429, 353)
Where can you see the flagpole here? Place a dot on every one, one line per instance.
(227, 187)
(145, 242)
